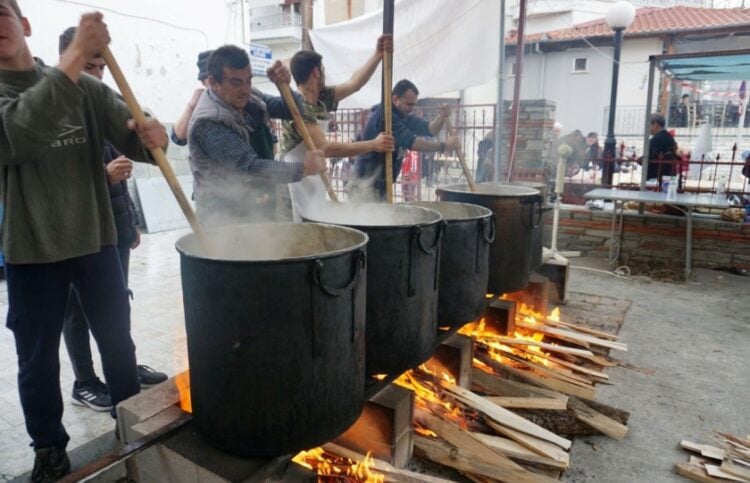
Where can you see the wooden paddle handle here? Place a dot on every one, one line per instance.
(388, 116)
(286, 93)
(465, 167)
(157, 153)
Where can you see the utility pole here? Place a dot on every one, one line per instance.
(306, 9)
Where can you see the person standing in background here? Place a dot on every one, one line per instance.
(88, 390)
(180, 128)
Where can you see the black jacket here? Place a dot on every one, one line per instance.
(662, 146)
(123, 208)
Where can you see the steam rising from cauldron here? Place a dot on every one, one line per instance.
(266, 242)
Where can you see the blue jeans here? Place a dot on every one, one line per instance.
(38, 295)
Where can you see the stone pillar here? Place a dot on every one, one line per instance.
(535, 135)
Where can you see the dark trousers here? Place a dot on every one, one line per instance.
(38, 296)
(76, 327)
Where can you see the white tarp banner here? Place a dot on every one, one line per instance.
(440, 45)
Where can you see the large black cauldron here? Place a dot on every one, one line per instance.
(275, 329)
(517, 211)
(402, 280)
(464, 261)
(537, 233)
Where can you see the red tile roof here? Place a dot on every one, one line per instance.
(651, 20)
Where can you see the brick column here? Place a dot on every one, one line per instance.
(536, 120)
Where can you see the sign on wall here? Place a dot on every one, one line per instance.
(260, 59)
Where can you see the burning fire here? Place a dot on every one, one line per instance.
(182, 381)
(492, 340)
(328, 465)
(425, 382)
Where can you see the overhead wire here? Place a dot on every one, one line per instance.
(139, 17)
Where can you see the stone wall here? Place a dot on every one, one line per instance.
(652, 237)
(535, 122)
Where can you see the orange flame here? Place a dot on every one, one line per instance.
(428, 395)
(490, 337)
(327, 464)
(182, 381)
(425, 432)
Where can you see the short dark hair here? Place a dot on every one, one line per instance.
(202, 64)
(685, 95)
(66, 38)
(658, 119)
(403, 86)
(226, 56)
(303, 64)
(592, 134)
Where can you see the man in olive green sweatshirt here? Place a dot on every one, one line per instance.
(58, 228)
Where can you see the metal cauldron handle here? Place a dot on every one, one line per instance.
(536, 210)
(359, 261)
(483, 235)
(416, 241)
(442, 226)
(489, 238)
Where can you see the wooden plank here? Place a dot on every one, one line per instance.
(570, 335)
(550, 347)
(603, 361)
(520, 453)
(548, 382)
(566, 423)
(579, 368)
(705, 450)
(562, 374)
(551, 368)
(392, 474)
(619, 415)
(717, 472)
(735, 441)
(695, 473)
(503, 416)
(579, 328)
(536, 445)
(504, 387)
(735, 469)
(457, 458)
(690, 446)
(697, 461)
(465, 440)
(597, 420)
(529, 402)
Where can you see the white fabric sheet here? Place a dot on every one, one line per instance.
(440, 45)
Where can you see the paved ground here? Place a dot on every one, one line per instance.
(694, 335)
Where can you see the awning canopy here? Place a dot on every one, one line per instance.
(708, 66)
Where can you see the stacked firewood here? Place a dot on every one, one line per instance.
(526, 391)
(546, 351)
(728, 460)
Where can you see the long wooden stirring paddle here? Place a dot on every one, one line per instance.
(157, 153)
(465, 167)
(286, 93)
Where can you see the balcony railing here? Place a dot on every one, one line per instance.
(723, 118)
(280, 20)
